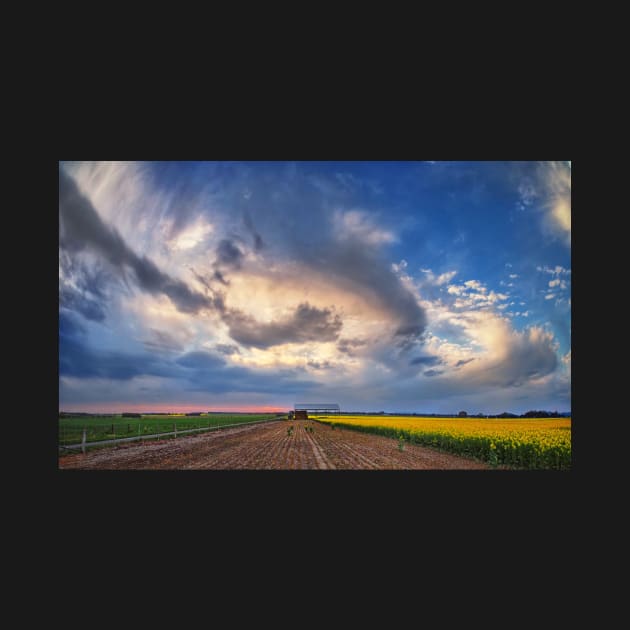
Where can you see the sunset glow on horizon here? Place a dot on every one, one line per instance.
(116, 408)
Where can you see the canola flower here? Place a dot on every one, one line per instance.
(532, 443)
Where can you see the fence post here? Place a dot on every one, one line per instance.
(175, 428)
(83, 440)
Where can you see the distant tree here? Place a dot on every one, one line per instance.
(462, 414)
(540, 414)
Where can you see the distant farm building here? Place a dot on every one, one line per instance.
(301, 410)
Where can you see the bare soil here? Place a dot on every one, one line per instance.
(269, 447)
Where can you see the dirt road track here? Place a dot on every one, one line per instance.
(269, 447)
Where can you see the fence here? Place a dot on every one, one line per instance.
(73, 438)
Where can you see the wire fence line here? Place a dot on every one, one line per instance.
(98, 429)
(85, 443)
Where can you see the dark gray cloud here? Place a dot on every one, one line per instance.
(82, 228)
(249, 224)
(320, 365)
(200, 360)
(349, 345)
(433, 372)
(360, 269)
(229, 254)
(76, 301)
(83, 289)
(93, 279)
(194, 371)
(161, 341)
(207, 283)
(207, 372)
(79, 360)
(307, 323)
(220, 277)
(69, 325)
(527, 356)
(527, 360)
(227, 349)
(427, 360)
(463, 362)
(228, 257)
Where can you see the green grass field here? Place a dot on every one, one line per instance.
(110, 427)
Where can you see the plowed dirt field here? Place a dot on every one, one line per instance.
(269, 447)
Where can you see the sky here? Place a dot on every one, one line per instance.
(424, 287)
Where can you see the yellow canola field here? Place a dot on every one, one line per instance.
(517, 443)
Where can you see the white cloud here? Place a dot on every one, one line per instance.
(557, 182)
(557, 270)
(493, 297)
(431, 279)
(358, 224)
(455, 289)
(443, 278)
(513, 276)
(192, 235)
(494, 352)
(474, 294)
(473, 284)
(550, 296)
(548, 191)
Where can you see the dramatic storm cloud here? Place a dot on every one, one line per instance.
(82, 228)
(306, 324)
(417, 286)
